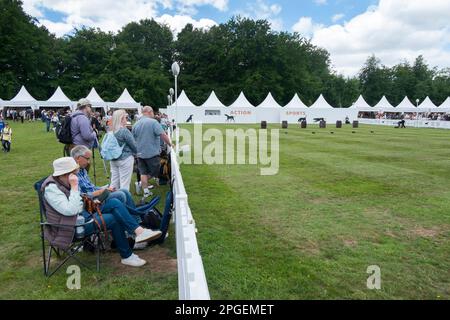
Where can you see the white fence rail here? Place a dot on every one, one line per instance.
(409, 123)
(192, 284)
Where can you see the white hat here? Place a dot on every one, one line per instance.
(84, 102)
(64, 166)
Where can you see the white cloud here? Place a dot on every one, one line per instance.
(321, 2)
(262, 10)
(178, 22)
(306, 27)
(112, 15)
(393, 30)
(337, 17)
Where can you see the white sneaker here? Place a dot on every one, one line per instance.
(140, 246)
(148, 235)
(134, 261)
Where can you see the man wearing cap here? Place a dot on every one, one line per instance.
(81, 128)
(63, 203)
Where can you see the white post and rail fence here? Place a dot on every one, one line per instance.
(192, 284)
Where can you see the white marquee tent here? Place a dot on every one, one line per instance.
(384, 106)
(321, 103)
(183, 108)
(406, 106)
(269, 110)
(126, 101)
(213, 102)
(294, 110)
(96, 100)
(362, 105)
(242, 110)
(57, 100)
(427, 105)
(213, 109)
(445, 105)
(23, 99)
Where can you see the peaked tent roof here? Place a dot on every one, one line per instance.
(126, 101)
(361, 103)
(269, 102)
(321, 103)
(58, 99)
(95, 99)
(427, 104)
(406, 104)
(241, 102)
(126, 97)
(213, 102)
(383, 104)
(446, 103)
(23, 96)
(296, 103)
(183, 101)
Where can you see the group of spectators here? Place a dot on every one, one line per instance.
(63, 189)
(21, 115)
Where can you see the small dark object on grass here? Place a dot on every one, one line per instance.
(332, 132)
(313, 133)
(353, 131)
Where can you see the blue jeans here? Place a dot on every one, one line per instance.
(123, 196)
(126, 198)
(121, 213)
(47, 123)
(117, 230)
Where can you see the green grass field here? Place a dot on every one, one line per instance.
(339, 204)
(21, 271)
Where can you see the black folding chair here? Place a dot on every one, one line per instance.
(94, 240)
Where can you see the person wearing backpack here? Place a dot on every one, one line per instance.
(80, 126)
(122, 167)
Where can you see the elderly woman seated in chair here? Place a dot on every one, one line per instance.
(63, 203)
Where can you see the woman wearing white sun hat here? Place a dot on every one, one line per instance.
(63, 203)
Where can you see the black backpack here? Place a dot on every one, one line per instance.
(64, 132)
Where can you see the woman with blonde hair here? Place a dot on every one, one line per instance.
(122, 167)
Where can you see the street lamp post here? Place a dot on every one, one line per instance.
(176, 72)
(417, 106)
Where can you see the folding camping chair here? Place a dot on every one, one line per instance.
(93, 240)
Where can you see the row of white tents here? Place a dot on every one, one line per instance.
(214, 111)
(24, 99)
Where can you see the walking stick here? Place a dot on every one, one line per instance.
(93, 160)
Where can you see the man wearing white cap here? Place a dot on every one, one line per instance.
(81, 128)
(63, 203)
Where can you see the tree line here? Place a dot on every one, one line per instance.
(239, 55)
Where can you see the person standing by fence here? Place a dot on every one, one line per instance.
(147, 133)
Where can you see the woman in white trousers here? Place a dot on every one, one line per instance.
(122, 168)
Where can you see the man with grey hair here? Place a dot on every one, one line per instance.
(147, 132)
(114, 201)
(80, 126)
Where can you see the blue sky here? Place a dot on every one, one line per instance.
(351, 30)
(291, 11)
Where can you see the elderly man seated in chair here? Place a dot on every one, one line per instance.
(83, 155)
(63, 203)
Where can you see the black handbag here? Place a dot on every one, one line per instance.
(152, 219)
